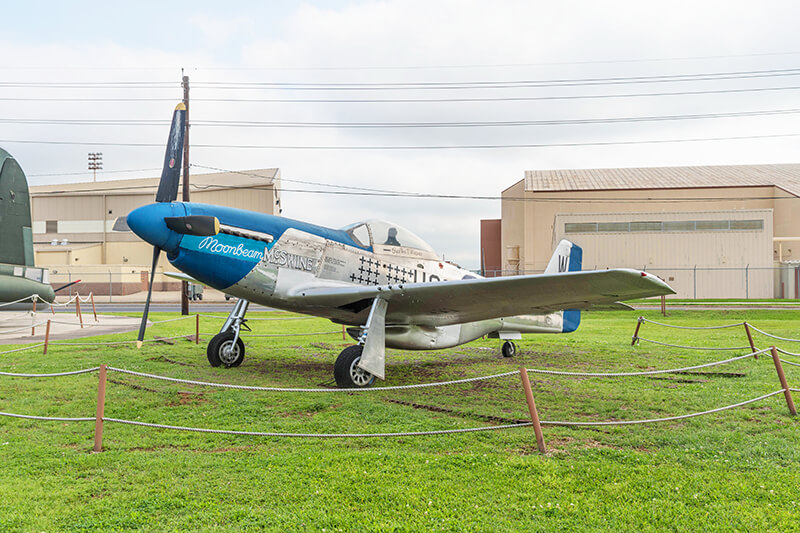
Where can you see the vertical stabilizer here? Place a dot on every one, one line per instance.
(566, 258)
(16, 242)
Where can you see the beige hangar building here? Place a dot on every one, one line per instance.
(73, 225)
(710, 232)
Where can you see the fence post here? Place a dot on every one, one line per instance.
(78, 308)
(750, 339)
(110, 288)
(33, 327)
(786, 392)
(663, 305)
(101, 406)
(636, 333)
(46, 338)
(197, 328)
(94, 309)
(537, 427)
(343, 333)
(695, 282)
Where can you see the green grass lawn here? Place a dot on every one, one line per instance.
(731, 471)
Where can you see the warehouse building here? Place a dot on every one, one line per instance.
(710, 232)
(73, 224)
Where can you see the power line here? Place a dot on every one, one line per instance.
(403, 67)
(356, 125)
(509, 84)
(86, 172)
(421, 147)
(409, 100)
(363, 191)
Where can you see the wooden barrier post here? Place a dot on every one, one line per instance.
(78, 309)
(197, 329)
(94, 309)
(750, 339)
(537, 427)
(636, 333)
(343, 333)
(46, 337)
(663, 305)
(101, 407)
(786, 392)
(33, 328)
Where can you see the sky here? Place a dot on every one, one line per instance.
(431, 97)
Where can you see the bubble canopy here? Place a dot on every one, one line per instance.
(375, 232)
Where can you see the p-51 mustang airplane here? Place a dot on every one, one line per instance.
(383, 281)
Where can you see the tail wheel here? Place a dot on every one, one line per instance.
(509, 349)
(223, 352)
(346, 371)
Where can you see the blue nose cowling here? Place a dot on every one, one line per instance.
(148, 223)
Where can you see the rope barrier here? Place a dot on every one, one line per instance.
(317, 435)
(280, 389)
(118, 342)
(692, 347)
(266, 318)
(31, 297)
(784, 361)
(788, 353)
(154, 322)
(87, 299)
(58, 304)
(285, 334)
(667, 419)
(59, 419)
(643, 319)
(23, 328)
(644, 373)
(23, 348)
(773, 336)
(56, 374)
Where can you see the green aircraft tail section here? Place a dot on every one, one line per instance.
(16, 237)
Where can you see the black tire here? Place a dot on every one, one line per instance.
(346, 372)
(216, 354)
(509, 349)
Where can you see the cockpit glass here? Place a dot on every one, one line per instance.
(359, 233)
(387, 234)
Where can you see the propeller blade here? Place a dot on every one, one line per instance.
(143, 325)
(67, 285)
(199, 225)
(171, 174)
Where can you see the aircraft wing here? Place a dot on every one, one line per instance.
(459, 301)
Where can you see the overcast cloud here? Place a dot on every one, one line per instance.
(367, 42)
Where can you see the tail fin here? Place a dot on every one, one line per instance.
(566, 258)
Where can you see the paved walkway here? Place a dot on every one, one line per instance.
(15, 326)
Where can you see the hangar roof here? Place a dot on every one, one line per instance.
(199, 182)
(785, 176)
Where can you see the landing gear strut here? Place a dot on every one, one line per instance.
(509, 349)
(226, 348)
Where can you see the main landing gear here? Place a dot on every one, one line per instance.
(509, 349)
(347, 373)
(226, 347)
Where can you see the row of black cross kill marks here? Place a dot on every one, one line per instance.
(370, 270)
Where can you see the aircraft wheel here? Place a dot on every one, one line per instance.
(216, 351)
(509, 349)
(346, 371)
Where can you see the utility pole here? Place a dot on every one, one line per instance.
(185, 284)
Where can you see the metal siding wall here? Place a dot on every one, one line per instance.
(675, 254)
